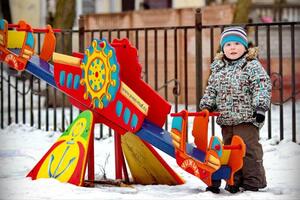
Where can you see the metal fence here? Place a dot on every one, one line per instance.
(279, 43)
(175, 62)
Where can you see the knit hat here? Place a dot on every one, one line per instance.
(234, 34)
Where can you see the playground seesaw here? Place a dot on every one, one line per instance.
(105, 83)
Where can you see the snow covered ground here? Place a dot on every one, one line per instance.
(22, 147)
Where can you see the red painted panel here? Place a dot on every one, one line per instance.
(130, 72)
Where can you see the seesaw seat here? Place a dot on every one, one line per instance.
(208, 162)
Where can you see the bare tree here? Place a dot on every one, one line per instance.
(103, 167)
(277, 9)
(242, 11)
(5, 10)
(63, 18)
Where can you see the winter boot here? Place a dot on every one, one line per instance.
(232, 188)
(249, 188)
(213, 189)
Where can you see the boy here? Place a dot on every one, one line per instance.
(240, 89)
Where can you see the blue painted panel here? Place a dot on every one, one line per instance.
(62, 77)
(119, 108)
(30, 40)
(115, 74)
(41, 69)
(97, 103)
(84, 60)
(105, 101)
(91, 49)
(216, 142)
(2, 22)
(126, 115)
(134, 121)
(16, 51)
(76, 82)
(222, 173)
(177, 123)
(157, 137)
(114, 89)
(196, 153)
(69, 80)
(162, 140)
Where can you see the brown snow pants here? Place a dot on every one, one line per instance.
(253, 172)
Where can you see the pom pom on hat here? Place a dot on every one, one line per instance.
(234, 34)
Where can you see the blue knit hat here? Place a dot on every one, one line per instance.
(234, 34)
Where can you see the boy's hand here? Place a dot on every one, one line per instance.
(260, 116)
(206, 108)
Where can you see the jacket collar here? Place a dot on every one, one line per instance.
(236, 63)
(219, 60)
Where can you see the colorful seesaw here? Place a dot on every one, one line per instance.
(105, 82)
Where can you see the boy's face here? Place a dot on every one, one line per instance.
(233, 50)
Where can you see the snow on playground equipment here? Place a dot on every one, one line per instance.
(106, 82)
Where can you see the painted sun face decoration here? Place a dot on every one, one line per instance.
(100, 73)
(78, 128)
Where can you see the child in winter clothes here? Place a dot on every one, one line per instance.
(240, 89)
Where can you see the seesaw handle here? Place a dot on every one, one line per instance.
(229, 147)
(181, 114)
(35, 30)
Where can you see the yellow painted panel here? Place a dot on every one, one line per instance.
(25, 56)
(65, 59)
(225, 157)
(15, 39)
(144, 166)
(66, 159)
(1, 39)
(212, 159)
(176, 144)
(63, 160)
(216, 167)
(134, 98)
(175, 136)
(28, 52)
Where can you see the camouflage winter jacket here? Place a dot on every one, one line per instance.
(237, 89)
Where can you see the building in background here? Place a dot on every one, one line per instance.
(29, 10)
(37, 12)
(102, 15)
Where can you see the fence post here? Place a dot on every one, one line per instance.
(293, 83)
(2, 98)
(81, 34)
(198, 38)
